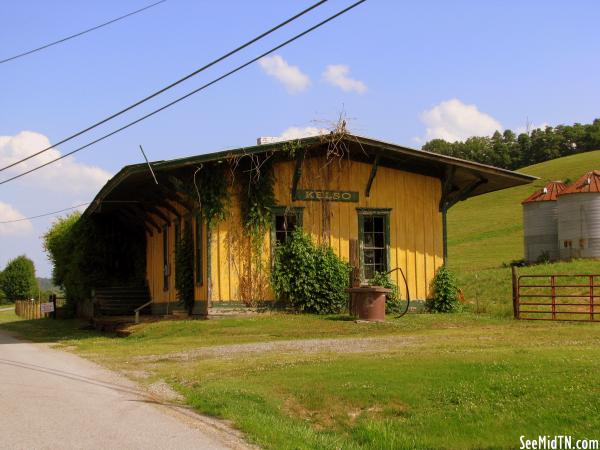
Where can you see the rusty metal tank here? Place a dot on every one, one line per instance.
(540, 223)
(579, 218)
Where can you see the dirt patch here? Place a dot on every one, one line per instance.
(334, 345)
(342, 415)
(163, 391)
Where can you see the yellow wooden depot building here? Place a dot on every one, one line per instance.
(391, 200)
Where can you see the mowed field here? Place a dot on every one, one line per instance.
(470, 380)
(485, 234)
(306, 382)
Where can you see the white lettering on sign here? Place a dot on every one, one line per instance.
(46, 307)
(330, 196)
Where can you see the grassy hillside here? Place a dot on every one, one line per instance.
(486, 232)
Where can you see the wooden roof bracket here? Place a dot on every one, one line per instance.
(372, 175)
(447, 180)
(162, 201)
(145, 217)
(157, 212)
(171, 195)
(178, 186)
(132, 215)
(166, 205)
(122, 217)
(464, 193)
(297, 173)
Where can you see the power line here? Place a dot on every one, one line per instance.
(80, 33)
(189, 94)
(44, 215)
(166, 88)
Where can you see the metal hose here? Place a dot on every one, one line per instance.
(407, 290)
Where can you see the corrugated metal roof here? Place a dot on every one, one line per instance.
(590, 182)
(548, 193)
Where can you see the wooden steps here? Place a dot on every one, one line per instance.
(121, 300)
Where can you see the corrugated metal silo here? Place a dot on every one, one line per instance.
(579, 218)
(540, 223)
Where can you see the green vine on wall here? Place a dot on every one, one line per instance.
(184, 267)
(256, 179)
(212, 190)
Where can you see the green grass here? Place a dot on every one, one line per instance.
(438, 381)
(487, 230)
(486, 234)
(441, 381)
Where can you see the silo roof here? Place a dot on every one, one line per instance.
(548, 193)
(590, 182)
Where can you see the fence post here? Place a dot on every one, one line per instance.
(53, 300)
(515, 292)
(592, 298)
(354, 271)
(553, 284)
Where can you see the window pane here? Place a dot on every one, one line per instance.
(374, 238)
(368, 220)
(279, 222)
(369, 256)
(379, 240)
(280, 237)
(379, 258)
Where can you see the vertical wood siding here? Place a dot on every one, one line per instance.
(154, 258)
(415, 227)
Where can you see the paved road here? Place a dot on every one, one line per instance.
(51, 399)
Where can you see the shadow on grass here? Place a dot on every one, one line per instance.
(51, 331)
(341, 318)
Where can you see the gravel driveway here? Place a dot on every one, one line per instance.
(56, 400)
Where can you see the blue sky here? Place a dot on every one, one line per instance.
(401, 71)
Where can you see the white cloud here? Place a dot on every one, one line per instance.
(9, 213)
(291, 76)
(298, 132)
(452, 120)
(337, 75)
(66, 175)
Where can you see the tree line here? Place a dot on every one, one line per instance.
(511, 151)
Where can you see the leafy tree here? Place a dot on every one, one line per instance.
(510, 151)
(18, 280)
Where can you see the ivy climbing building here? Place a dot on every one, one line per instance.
(378, 205)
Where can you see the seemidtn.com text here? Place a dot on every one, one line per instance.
(558, 442)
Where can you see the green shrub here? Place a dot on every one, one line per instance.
(308, 277)
(18, 280)
(393, 304)
(445, 292)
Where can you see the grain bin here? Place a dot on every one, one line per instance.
(579, 218)
(540, 224)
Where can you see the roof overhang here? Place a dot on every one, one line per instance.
(461, 178)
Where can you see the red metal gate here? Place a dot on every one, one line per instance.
(558, 297)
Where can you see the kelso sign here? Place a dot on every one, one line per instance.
(328, 196)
